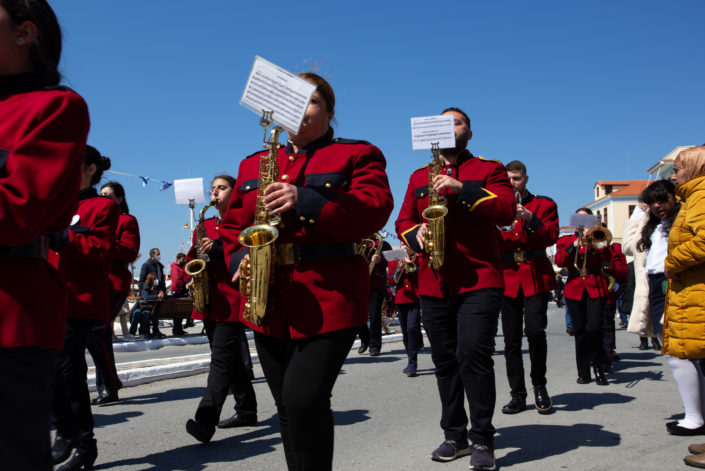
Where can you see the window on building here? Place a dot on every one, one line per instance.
(604, 218)
(597, 192)
(608, 189)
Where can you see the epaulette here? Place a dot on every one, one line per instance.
(544, 197)
(340, 140)
(489, 160)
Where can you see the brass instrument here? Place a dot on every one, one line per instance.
(197, 269)
(256, 272)
(517, 196)
(408, 267)
(434, 237)
(371, 246)
(596, 237)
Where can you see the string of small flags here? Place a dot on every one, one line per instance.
(164, 184)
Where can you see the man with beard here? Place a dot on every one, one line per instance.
(460, 301)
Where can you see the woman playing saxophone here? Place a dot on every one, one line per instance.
(330, 194)
(226, 334)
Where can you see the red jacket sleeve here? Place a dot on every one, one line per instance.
(492, 199)
(359, 209)
(55, 142)
(92, 247)
(542, 229)
(127, 245)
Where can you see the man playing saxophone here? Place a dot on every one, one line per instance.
(460, 301)
(330, 193)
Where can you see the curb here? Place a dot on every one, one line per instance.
(132, 374)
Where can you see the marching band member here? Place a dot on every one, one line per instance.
(371, 335)
(585, 296)
(225, 332)
(460, 302)
(406, 299)
(125, 251)
(330, 194)
(42, 140)
(84, 261)
(528, 280)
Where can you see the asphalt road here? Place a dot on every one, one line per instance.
(386, 421)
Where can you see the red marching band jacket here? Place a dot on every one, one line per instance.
(406, 287)
(85, 261)
(42, 145)
(125, 251)
(343, 196)
(225, 298)
(523, 249)
(594, 282)
(471, 245)
(618, 269)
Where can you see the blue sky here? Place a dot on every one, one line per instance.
(580, 91)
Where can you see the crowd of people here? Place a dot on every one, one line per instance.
(474, 241)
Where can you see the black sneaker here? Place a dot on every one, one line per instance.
(450, 450)
(482, 458)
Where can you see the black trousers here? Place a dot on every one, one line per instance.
(371, 334)
(587, 317)
(525, 315)
(608, 334)
(410, 322)
(26, 375)
(227, 373)
(462, 330)
(100, 346)
(71, 404)
(301, 374)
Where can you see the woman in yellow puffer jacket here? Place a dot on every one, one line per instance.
(684, 323)
(684, 319)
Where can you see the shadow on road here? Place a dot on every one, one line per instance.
(164, 396)
(256, 441)
(555, 440)
(102, 420)
(349, 417)
(582, 401)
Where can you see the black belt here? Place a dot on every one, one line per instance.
(290, 254)
(588, 271)
(520, 256)
(37, 248)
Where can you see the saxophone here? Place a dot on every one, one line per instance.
(434, 238)
(256, 273)
(197, 268)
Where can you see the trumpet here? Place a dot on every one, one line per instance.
(517, 196)
(596, 238)
(403, 266)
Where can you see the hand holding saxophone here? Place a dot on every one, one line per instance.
(280, 197)
(236, 276)
(206, 244)
(441, 182)
(421, 235)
